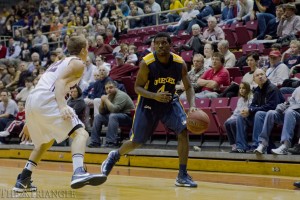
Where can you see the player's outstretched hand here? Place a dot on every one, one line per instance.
(24, 135)
(163, 97)
(67, 112)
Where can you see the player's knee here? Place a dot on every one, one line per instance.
(182, 135)
(81, 133)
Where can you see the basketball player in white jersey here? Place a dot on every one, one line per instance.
(49, 119)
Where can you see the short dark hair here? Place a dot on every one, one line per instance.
(163, 34)
(29, 79)
(111, 82)
(254, 55)
(219, 55)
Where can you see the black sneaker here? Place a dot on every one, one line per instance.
(94, 145)
(110, 162)
(185, 180)
(24, 185)
(297, 184)
(111, 145)
(295, 150)
(81, 178)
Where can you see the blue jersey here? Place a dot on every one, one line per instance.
(162, 77)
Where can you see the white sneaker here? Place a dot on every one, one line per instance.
(282, 150)
(261, 149)
(4, 133)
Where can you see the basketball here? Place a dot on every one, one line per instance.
(197, 122)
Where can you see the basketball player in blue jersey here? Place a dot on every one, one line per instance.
(155, 84)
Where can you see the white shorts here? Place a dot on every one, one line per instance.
(45, 122)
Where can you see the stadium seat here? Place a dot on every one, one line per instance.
(187, 56)
(233, 103)
(242, 36)
(230, 37)
(238, 79)
(202, 103)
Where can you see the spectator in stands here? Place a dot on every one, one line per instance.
(23, 94)
(92, 10)
(25, 52)
(133, 4)
(110, 39)
(66, 13)
(34, 57)
(122, 4)
(201, 19)
(3, 50)
(121, 28)
(263, 11)
(194, 74)
(87, 76)
(45, 54)
(289, 23)
(244, 101)
(244, 9)
(14, 77)
(115, 110)
(39, 40)
(229, 12)
(106, 23)
(108, 8)
(121, 68)
(56, 26)
(208, 52)
(18, 38)
(213, 34)
(102, 48)
(286, 113)
(252, 61)
(185, 19)
(194, 43)
(223, 47)
(174, 16)
(148, 50)
(13, 50)
(155, 7)
(266, 97)
(132, 57)
(134, 22)
(148, 20)
(60, 53)
(77, 103)
(278, 71)
(8, 110)
(292, 57)
(213, 78)
(5, 77)
(23, 67)
(100, 61)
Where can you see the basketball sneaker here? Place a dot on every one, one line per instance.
(295, 150)
(282, 150)
(24, 185)
(110, 162)
(297, 184)
(81, 178)
(261, 149)
(185, 180)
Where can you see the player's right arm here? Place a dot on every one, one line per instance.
(141, 81)
(72, 73)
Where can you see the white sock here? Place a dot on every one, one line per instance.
(30, 165)
(77, 161)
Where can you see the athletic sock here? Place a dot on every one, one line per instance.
(182, 169)
(27, 171)
(77, 161)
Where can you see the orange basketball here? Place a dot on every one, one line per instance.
(197, 122)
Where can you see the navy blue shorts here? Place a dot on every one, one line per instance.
(145, 120)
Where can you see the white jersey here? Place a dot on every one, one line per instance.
(43, 117)
(46, 84)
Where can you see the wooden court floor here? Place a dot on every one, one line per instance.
(124, 183)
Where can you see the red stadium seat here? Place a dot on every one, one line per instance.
(187, 56)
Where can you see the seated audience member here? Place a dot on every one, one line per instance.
(148, 20)
(208, 52)
(100, 61)
(121, 68)
(87, 76)
(194, 43)
(23, 94)
(134, 22)
(197, 71)
(132, 57)
(174, 16)
(185, 19)
(77, 103)
(14, 77)
(115, 111)
(213, 78)
(244, 101)
(223, 47)
(3, 50)
(252, 61)
(278, 71)
(102, 48)
(292, 60)
(23, 67)
(201, 18)
(8, 111)
(110, 39)
(289, 24)
(266, 97)
(16, 126)
(244, 9)
(286, 113)
(213, 34)
(229, 12)
(13, 50)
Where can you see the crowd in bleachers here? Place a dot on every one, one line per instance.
(223, 43)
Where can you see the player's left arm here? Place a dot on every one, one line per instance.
(190, 93)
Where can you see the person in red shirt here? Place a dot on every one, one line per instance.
(213, 78)
(3, 50)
